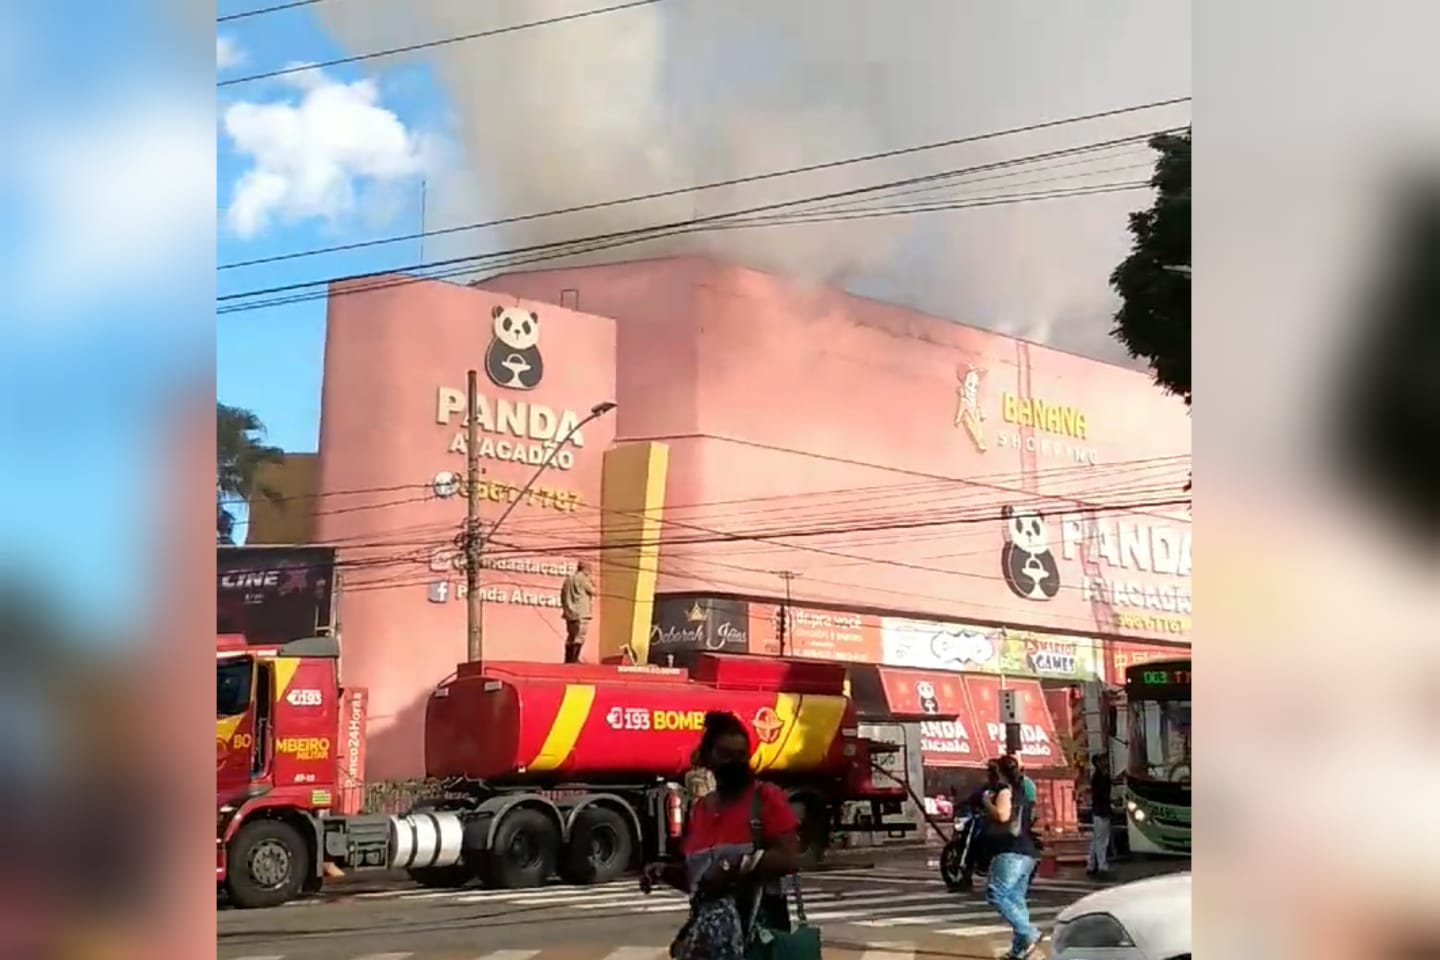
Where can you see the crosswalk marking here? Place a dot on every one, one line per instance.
(910, 918)
(982, 930)
(864, 903)
(889, 954)
(636, 953)
(985, 930)
(879, 901)
(590, 895)
(880, 950)
(1046, 885)
(623, 891)
(551, 894)
(865, 949)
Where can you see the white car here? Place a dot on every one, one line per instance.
(1145, 920)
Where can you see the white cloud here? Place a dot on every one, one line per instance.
(118, 199)
(228, 53)
(312, 159)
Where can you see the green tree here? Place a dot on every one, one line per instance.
(240, 453)
(1153, 321)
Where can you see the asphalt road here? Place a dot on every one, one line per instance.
(896, 910)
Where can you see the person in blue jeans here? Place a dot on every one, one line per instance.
(1014, 856)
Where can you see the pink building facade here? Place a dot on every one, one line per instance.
(889, 469)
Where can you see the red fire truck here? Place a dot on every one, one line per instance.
(543, 769)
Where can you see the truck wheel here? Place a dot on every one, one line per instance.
(814, 832)
(452, 877)
(526, 848)
(268, 863)
(600, 847)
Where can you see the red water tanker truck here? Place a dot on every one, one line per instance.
(545, 769)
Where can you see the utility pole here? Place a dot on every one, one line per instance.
(474, 604)
(474, 541)
(782, 630)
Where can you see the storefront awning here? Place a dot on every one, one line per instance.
(1040, 746)
(948, 735)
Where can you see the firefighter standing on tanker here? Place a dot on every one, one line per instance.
(577, 595)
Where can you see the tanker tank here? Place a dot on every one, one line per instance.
(510, 722)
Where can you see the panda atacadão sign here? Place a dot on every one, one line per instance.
(1104, 549)
(512, 427)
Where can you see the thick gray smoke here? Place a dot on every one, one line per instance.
(690, 91)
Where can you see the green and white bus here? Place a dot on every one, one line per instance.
(1157, 774)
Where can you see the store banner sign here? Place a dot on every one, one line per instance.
(699, 625)
(1039, 743)
(945, 743)
(812, 634)
(274, 594)
(1048, 656)
(930, 645)
(1123, 654)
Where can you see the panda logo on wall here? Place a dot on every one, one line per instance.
(513, 358)
(925, 690)
(1028, 564)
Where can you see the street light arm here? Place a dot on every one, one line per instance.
(596, 412)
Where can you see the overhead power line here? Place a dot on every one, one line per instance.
(573, 248)
(970, 515)
(388, 278)
(720, 184)
(430, 44)
(923, 483)
(245, 14)
(837, 530)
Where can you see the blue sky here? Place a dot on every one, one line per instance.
(269, 360)
(92, 348)
(110, 205)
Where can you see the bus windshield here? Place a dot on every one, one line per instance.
(1160, 740)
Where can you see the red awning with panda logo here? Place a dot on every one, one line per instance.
(1040, 747)
(948, 736)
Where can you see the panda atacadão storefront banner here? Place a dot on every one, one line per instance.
(959, 716)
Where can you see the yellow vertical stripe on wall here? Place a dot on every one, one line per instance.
(632, 503)
(569, 721)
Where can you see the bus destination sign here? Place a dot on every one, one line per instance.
(1164, 677)
(1158, 681)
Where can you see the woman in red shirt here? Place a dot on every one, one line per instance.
(723, 870)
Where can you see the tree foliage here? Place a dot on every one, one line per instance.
(1153, 321)
(240, 453)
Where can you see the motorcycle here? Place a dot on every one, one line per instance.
(963, 849)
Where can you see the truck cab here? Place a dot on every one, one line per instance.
(277, 713)
(279, 767)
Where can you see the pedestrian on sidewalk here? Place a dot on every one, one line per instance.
(1013, 862)
(1032, 795)
(1101, 809)
(577, 596)
(725, 869)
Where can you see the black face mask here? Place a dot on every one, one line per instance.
(732, 776)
